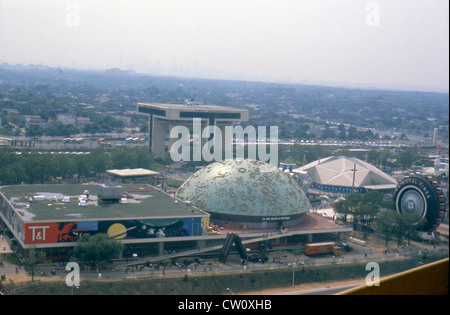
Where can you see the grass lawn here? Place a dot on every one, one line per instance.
(10, 258)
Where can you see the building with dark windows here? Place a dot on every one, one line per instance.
(163, 117)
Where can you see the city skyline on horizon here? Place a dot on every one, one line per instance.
(365, 44)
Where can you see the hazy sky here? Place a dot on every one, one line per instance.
(398, 43)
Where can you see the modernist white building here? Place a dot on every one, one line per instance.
(343, 174)
(163, 117)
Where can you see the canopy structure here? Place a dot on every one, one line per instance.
(135, 172)
(343, 174)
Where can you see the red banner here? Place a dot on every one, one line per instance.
(50, 232)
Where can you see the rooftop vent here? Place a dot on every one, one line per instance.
(39, 198)
(110, 192)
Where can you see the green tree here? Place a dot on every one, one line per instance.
(99, 160)
(122, 157)
(144, 158)
(362, 207)
(352, 133)
(407, 157)
(328, 133)
(342, 134)
(408, 224)
(64, 130)
(303, 153)
(33, 258)
(353, 205)
(342, 210)
(66, 166)
(371, 203)
(82, 166)
(43, 166)
(380, 157)
(386, 223)
(93, 249)
(33, 131)
(30, 168)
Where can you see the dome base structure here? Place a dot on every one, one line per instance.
(247, 222)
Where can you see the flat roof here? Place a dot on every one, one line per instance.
(135, 172)
(194, 107)
(143, 202)
(184, 111)
(386, 186)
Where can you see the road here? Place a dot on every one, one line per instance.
(323, 291)
(327, 288)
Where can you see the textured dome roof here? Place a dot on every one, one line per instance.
(246, 188)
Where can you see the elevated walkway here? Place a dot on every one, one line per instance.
(229, 241)
(194, 252)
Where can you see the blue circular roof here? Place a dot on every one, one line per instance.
(244, 187)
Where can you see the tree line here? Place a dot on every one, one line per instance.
(399, 158)
(31, 167)
(369, 212)
(91, 250)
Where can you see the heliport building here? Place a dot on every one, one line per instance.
(163, 117)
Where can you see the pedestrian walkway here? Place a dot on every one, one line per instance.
(8, 271)
(373, 250)
(4, 245)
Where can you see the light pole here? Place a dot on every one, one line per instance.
(230, 291)
(293, 273)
